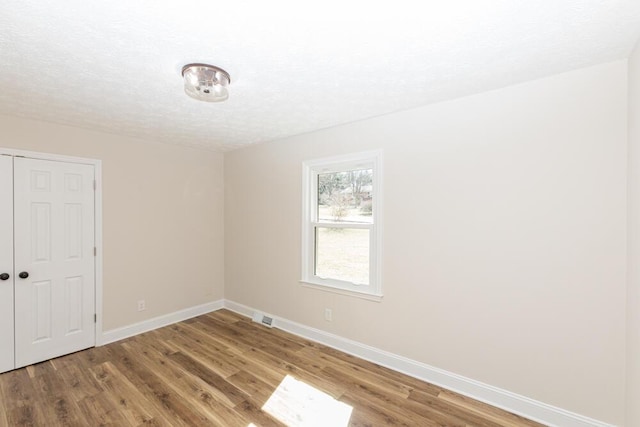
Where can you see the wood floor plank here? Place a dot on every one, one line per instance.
(228, 316)
(221, 369)
(209, 399)
(60, 407)
(427, 400)
(99, 408)
(158, 392)
(257, 416)
(19, 399)
(264, 335)
(302, 362)
(122, 393)
(360, 375)
(378, 396)
(269, 374)
(197, 348)
(79, 383)
(223, 334)
(253, 386)
(40, 369)
(286, 368)
(4, 421)
(380, 416)
(488, 412)
(334, 357)
(233, 394)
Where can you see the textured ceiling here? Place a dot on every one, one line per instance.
(295, 66)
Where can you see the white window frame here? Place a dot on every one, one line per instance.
(310, 171)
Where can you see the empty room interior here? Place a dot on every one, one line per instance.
(329, 214)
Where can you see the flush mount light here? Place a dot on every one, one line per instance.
(206, 82)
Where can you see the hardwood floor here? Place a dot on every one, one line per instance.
(220, 369)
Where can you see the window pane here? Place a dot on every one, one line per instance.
(343, 254)
(346, 196)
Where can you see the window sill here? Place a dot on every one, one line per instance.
(336, 290)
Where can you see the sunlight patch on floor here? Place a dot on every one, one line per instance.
(298, 404)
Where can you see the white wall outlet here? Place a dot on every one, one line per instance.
(142, 305)
(328, 314)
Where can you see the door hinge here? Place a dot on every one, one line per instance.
(95, 185)
(95, 251)
(95, 318)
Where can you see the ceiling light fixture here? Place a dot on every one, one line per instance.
(206, 82)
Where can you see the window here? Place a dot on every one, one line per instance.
(341, 224)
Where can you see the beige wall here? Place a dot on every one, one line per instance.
(504, 237)
(633, 292)
(162, 217)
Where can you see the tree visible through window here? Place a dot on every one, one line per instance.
(344, 198)
(341, 236)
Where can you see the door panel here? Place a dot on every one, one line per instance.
(54, 240)
(41, 305)
(41, 232)
(6, 264)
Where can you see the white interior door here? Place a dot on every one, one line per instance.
(6, 264)
(54, 259)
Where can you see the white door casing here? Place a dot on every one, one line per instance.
(54, 243)
(6, 264)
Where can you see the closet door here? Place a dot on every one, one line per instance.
(6, 264)
(54, 259)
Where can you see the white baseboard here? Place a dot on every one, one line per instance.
(512, 402)
(157, 322)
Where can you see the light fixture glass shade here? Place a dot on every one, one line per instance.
(206, 82)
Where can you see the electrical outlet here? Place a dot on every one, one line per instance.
(142, 305)
(328, 314)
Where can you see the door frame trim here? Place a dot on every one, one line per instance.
(97, 164)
